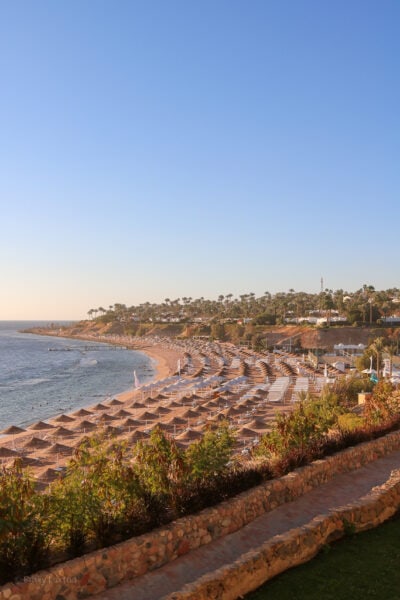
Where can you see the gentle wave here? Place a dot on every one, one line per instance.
(88, 362)
(27, 383)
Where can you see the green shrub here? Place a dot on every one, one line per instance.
(99, 498)
(350, 421)
(210, 456)
(24, 526)
(161, 468)
(304, 427)
(384, 403)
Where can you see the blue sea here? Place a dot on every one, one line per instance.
(36, 384)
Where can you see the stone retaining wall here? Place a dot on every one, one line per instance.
(106, 568)
(294, 547)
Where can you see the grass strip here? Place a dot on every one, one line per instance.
(365, 565)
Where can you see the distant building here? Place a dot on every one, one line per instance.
(391, 319)
(345, 349)
(312, 320)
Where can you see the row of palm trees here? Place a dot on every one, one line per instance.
(366, 305)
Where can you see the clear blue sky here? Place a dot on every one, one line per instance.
(195, 148)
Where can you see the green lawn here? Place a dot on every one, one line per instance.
(366, 565)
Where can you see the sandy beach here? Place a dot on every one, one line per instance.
(166, 362)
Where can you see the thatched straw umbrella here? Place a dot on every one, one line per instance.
(189, 435)
(122, 413)
(150, 400)
(231, 412)
(40, 426)
(218, 417)
(36, 444)
(186, 400)
(7, 453)
(60, 449)
(64, 419)
(173, 404)
(202, 410)
(244, 432)
(61, 432)
(48, 475)
(137, 404)
(146, 416)
(106, 418)
(247, 402)
(131, 422)
(177, 421)
(100, 407)
(137, 436)
(258, 424)
(111, 431)
(260, 392)
(189, 414)
(211, 404)
(149, 430)
(221, 401)
(82, 412)
(13, 430)
(26, 461)
(115, 402)
(227, 394)
(163, 427)
(85, 426)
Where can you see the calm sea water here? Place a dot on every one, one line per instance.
(36, 384)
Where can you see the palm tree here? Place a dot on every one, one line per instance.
(390, 349)
(394, 335)
(377, 347)
(327, 305)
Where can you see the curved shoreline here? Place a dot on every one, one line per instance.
(164, 359)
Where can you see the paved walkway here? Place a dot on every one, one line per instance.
(341, 490)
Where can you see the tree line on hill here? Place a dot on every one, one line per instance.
(364, 306)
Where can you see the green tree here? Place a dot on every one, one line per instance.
(218, 331)
(161, 468)
(210, 456)
(25, 529)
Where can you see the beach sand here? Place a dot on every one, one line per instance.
(166, 363)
